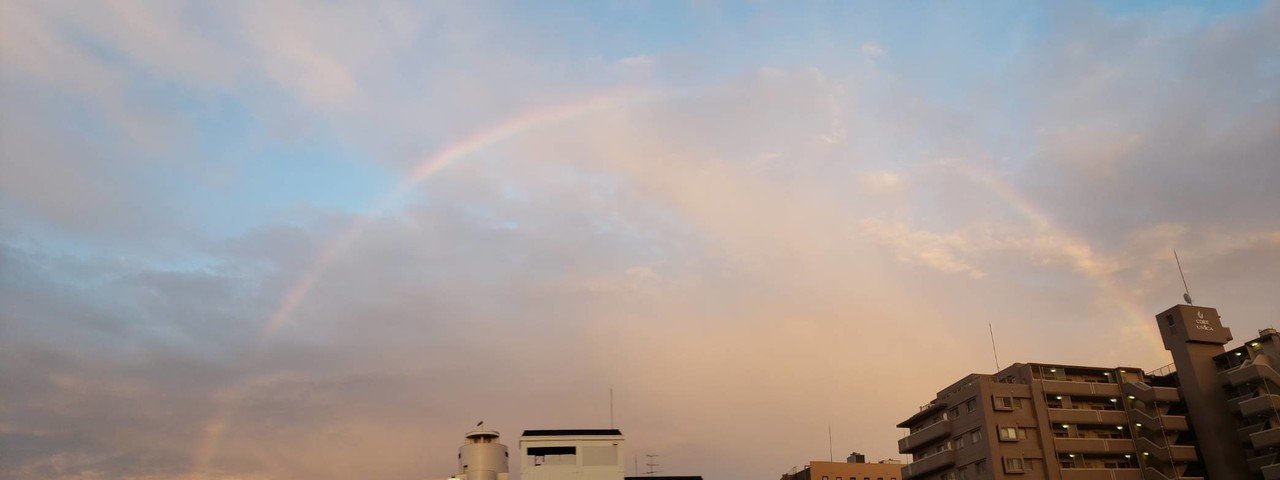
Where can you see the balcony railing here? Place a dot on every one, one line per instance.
(1093, 445)
(1101, 474)
(924, 436)
(1168, 423)
(1088, 417)
(1176, 453)
(1250, 372)
(929, 464)
(1262, 404)
(1148, 393)
(1265, 439)
(1066, 387)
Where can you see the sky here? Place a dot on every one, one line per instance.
(291, 240)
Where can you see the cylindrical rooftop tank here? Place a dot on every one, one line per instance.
(482, 457)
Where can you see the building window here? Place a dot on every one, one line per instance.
(1005, 403)
(962, 474)
(1009, 434)
(1015, 465)
(975, 436)
(566, 455)
(971, 405)
(953, 413)
(980, 467)
(959, 441)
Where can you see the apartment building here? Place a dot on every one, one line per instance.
(1212, 414)
(1041, 421)
(1252, 384)
(1233, 395)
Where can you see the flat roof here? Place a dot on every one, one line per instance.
(573, 432)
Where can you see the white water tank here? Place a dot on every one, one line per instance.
(482, 457)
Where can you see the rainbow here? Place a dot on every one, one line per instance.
(512, 126)
(482, 139)
(1082, 255)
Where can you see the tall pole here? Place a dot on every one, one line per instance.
(1186, 292)
(831, 455)
(992, 331)
(611, 407)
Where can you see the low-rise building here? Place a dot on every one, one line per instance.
(853, 469)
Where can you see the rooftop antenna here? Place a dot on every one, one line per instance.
(994, 354)
(831, 457)
(611, 408)
(651, 464)
(1186, 292)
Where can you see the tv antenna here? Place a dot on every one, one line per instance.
(1186, 292)
(652, 464)
(994, 354)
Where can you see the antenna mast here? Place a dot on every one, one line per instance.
(1186, 292)
(651, 464)
(994, 354)
(831, 456)
(611, 408)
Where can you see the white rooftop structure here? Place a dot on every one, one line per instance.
(482, 457)
(580, 454)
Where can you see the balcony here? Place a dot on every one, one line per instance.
(1176, 453)
(1256, 464)
(1260, 405)
(1250, 372)
(1265, 439)
(1148, 393)
(1245, 432)
(1153, 474)
(1271, 472)
(1092, 389)
(1088, 417)
(1168, 423)
(1093, 445)
(929, 464)
(1101, 474)
(924, 436)
(925, 410)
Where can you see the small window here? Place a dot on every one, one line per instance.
(954, 413)
(1003, 403)
(1015, 465)
(824, 477)
(980, 467)
(962, 474)
(959, 441)
(971, 405)
(1009, 434)
(975, 437)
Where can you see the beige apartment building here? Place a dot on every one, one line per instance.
(1210, 415)
(850, 470)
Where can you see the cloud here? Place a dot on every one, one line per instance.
(871, 49)
(709, 253)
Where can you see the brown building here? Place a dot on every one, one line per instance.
(1234, 395)
(1213, 417)
(850, 470)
